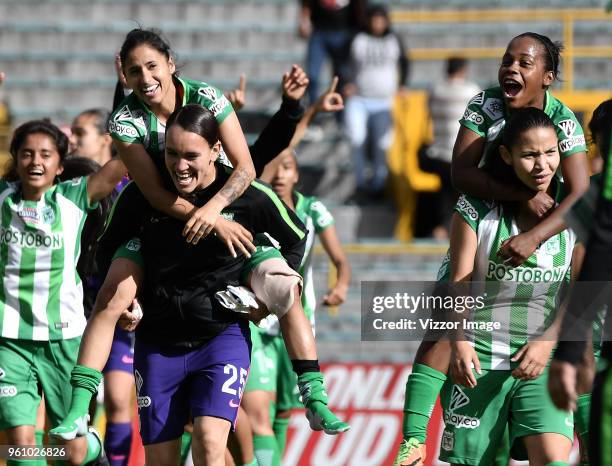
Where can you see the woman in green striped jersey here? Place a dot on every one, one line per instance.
(41, 302)
(528, 68)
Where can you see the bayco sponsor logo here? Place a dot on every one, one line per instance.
(7, 391)
(208, 92)
(473, 117)
(464, 205)
(141, 401)
(478, 99)
(569, 143)
(568, 127)
(458, 400)
(122, 130)
(494, 108)
(123, 115)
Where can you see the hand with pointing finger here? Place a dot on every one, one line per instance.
(330, 100)
(237, 97)
(294, 83)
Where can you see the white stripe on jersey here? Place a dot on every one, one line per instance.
(42, 275)
(10, 323)
(71, 293)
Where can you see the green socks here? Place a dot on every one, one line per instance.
(94, 447)
(581, 423)
(280, 426)
(422, 391)
(314, 398)
(185, 446)
(84, 381)
(266, 450)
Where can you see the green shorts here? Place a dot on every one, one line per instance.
(271, 370)
(131, 250)
(29, 368)
(475, 419)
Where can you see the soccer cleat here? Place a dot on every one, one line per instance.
(411, 453)
(101, 459)
(71, 430)
(314, 397)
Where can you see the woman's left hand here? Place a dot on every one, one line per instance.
(517, 249)
(235, 236)
(201, 223)
(130, 318)
(534, 356)
(335, 297)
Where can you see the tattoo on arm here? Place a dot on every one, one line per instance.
(236, 185)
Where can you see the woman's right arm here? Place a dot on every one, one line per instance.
(469, 179)
(463, 245)
(149, 181)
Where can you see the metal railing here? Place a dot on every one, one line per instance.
(567, 17)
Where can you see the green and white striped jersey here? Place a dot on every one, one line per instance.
(317, 218)
(522, 299)
(133, 122)
(41, 295)
(486, 115)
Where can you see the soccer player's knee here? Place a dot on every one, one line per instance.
(276, 284)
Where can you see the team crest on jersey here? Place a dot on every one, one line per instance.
(552, 246)
(478, 99)
(208, 92)
(448, 440)
(568, 127)
(48, 215)
(133, 245)
(124, 114)
(494, 108)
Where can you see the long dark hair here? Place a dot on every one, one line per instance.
(196, 119)
(150, 37)
(34, 127)
(601, 125)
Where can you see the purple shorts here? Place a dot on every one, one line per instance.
(121, 356)
(175, 385)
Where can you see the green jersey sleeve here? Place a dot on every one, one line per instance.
(472, 210)
(213, 99)
(569, 132)
(124, 126)
(321, 216)
(75, 190)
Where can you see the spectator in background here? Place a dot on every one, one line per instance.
(328, 25)
(89, 136)
(447, 101)
(378, 69)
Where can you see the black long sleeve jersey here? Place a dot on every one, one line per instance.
(181, 279)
